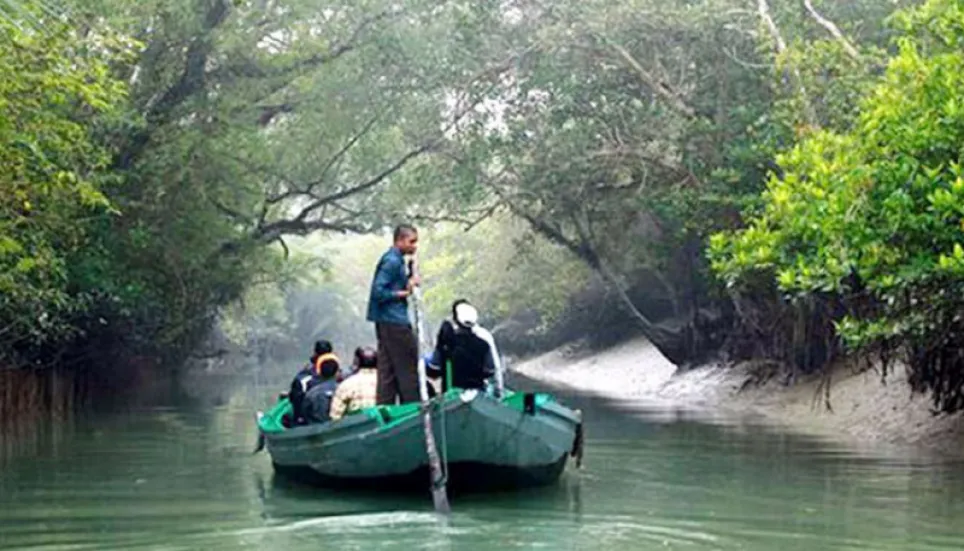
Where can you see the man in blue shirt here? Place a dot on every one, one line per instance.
(388, 309)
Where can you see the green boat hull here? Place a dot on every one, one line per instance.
(486, 443)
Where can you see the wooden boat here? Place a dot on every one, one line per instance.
(486, 443)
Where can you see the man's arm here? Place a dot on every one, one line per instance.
(388, 271)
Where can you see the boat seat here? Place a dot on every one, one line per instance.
(386, 415)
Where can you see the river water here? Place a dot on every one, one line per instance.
(182, 477)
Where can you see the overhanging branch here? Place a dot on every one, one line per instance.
(763, 9)
(230, 212)
(191, 80)
(658, 86)
(308, 188)
(245, 67)
(465, 219)
(313, 216)
(832, 29)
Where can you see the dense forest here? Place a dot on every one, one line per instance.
(734, 179)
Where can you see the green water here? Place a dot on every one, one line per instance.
(183, 478)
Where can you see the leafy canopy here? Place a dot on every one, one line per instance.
(57, 87)
(876, 214)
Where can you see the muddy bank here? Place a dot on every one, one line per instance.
(863, 410)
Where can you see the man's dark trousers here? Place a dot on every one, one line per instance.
(397, 363)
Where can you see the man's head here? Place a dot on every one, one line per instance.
(464, 314)
(323, 347)
(406, 238)
(366, 357)
(328, 367)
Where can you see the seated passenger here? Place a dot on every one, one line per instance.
(359, 390)
(349, 370)
(470, 355)
(308, 377)
(317, 400)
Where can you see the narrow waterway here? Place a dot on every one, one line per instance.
(182, 476)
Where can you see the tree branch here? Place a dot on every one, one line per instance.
(658, 87)
(247, 68)
(269, 112)
(192, 77)
(763, 9)
(832, 29)
(284, 246)
(366, 185)
(467, 223)
(192, 80)
(627, 152)
(305, 222)
(307, 188)
(276, 230)
(232, 213)
(381, 176)
(608, 276)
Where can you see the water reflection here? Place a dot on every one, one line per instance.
(184, 478)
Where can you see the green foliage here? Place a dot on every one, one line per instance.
(132, 216)
(873, 214)
(502, 268)
(261, 122)
(623, 138)
(604, 138)
(521, 285)
(57, 89)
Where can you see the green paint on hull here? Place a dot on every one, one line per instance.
(462, 478)
(480, 436)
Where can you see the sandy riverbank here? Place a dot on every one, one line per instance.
(864, 411)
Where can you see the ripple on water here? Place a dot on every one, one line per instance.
(172, 479)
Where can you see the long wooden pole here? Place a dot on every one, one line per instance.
(437, 478)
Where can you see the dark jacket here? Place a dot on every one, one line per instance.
(390, 277)
(304, 381)
(471, 357)
(318, 401)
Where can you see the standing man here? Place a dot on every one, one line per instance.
(388, 309)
